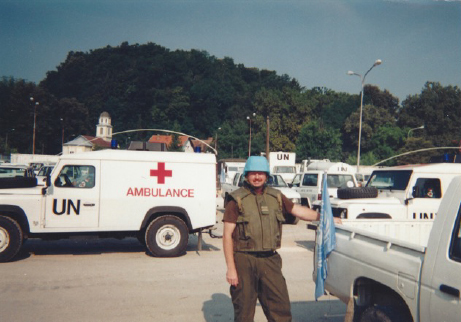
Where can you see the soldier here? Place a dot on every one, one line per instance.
(252, 232)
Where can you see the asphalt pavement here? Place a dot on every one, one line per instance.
(116, 280)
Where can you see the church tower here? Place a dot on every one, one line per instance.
(104, 128)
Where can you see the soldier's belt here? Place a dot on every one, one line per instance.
(261, 254)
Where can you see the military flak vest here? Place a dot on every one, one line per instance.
(259, 224)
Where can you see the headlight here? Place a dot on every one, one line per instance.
(296, 200)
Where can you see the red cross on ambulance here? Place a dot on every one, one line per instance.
(161, 173)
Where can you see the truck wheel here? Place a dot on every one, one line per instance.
(10, 238)
(291, 220)
(357, 192)
(381, 314)
(167, 236)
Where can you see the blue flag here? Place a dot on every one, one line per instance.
(325, 242)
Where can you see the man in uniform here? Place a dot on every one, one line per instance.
(252, 232)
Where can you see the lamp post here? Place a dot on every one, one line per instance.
(416, 128)
(62, 134)
(6, 139)
(377, 62)
(249, 141)
(267, 137)
(216, 140)
(35, 118)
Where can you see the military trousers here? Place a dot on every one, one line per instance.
(260, 278)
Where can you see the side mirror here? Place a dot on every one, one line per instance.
(48, 180)
(290, 185)
(415, 192)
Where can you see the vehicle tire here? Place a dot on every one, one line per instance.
(357, 192)
(11, 238)
(167, 236)
(291, 220)
(381, 314)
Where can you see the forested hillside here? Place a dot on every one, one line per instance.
(150, 87)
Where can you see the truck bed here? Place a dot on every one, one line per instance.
(400, 262)
(401, 231)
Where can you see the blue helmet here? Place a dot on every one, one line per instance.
(256, 163)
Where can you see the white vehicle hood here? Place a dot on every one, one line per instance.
(289, 193)
(335, 202)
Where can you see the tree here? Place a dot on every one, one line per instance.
(288, 111)
(438, 108)
(372, 95)
(175, 144)
(317, 142)
(372, 119)
(414, 144)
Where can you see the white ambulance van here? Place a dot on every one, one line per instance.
(309, 183)
(158, 197)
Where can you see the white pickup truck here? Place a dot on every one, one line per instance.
(386, 279)
(405, 193)
(158, 197)
(275, 181)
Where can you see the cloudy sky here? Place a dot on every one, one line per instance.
(314, 41)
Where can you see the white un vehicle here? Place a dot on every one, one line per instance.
(158, 197)
(405, 193)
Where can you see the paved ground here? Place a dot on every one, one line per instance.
(112, 280)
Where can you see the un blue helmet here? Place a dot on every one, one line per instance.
(256, 163)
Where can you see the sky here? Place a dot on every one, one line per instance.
(314, 41)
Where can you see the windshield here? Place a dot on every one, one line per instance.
(285, 169)
(44, 171)
(273, 181)
(276, 181)
(12, 172)
(338, 180)
(390, 180)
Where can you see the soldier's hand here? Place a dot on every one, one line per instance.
(232, 277)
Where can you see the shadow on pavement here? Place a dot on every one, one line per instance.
(219, 309)
(80, 247)
(306, 244)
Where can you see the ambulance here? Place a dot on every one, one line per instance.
(158, 197)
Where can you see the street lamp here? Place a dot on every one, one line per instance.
(62, 135)
(249, 141)
(35, 118)
(377, 62)
(416, 128)
(216, 141)
(6, 139)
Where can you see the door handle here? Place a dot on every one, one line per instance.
(449, 290)
(89, 204)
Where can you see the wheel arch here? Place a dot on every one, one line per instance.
(368, 293)
(17, 214)
(156, 212)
